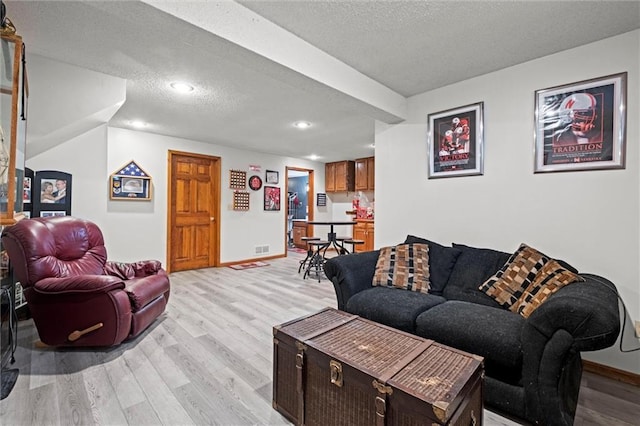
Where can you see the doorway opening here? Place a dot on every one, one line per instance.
(299, 205)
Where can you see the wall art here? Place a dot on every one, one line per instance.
(456, 142)
(581, 126)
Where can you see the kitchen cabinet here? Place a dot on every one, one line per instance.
(363, 230)
(299, 231)
(365, 174)
(340, 176)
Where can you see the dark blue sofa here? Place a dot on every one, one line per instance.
(533, 366)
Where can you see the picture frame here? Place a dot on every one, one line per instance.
(130, 183)
(28, 185)
(272, 177)
(581, 126)
(255, 182)
(26, 190)
(272, 198)
(51, 193)
(456, 142)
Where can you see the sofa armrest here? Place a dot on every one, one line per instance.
(127, 271)
(351, 274)
(79, 284)
(588, 311)
(582, 316)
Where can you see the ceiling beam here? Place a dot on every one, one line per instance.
(287, 56)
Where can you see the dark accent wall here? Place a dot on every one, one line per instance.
(298, 185)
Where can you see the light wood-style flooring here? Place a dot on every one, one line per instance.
(207, 360)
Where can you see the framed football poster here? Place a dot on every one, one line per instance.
(581, 126)
(455, 146)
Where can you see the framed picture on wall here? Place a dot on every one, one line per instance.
(456, 142)
(271, 198)
(272, 177)
(51, 193)
(129, 183)
(581, 126)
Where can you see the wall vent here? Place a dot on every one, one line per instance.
(262, 249)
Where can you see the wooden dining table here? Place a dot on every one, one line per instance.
(331, 236)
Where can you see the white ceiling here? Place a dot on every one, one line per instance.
(338, 64)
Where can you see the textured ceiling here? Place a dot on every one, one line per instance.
(249, 100)
(416, 46)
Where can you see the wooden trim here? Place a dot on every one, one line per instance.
(611, 372)
(255, 259)
(310, 199)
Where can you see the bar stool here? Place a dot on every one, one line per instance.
(303, 262)
(316, 263)
(353, 243)
(340, 243)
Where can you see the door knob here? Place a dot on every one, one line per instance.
(212, 219)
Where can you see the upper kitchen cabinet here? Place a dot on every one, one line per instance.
(340, 176)
(365, 174)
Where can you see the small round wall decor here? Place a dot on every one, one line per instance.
(255, 182)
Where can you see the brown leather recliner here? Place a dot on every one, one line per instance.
(76, 296)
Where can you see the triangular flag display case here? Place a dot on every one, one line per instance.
(130, 182)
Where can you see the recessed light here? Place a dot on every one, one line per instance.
(313, 157)
(181, 87)
(138, 124)
(302, 125)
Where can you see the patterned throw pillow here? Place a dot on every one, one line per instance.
(510, 282)
(550, 279)
(404, 266)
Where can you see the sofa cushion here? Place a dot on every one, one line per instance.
(441, 262)
(473, 267)
(405, 266)
(551, 278)
(493, 333)
(509, 282)
(390, 306)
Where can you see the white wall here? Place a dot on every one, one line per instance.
(591, 219)
(137, 230)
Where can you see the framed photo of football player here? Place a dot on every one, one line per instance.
(456, 142)
(581, 126)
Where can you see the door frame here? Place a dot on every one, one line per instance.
(310, 199)
(215, 200)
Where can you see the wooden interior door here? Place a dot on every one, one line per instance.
(194, 209)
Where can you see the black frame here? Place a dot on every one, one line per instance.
(272, 193)
(272, 176)
(58, 208)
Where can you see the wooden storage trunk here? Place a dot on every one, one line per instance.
(333, 368)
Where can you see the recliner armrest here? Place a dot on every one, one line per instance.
(127, 271)
(79, 284)
(351, 274)
(588, 311)
(143, 290)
